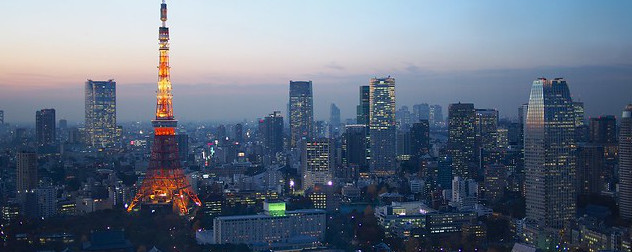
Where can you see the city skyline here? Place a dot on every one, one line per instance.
(440, 54)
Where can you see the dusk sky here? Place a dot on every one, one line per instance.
(233, 60)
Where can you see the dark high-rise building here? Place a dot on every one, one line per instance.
(461, 139)
(625, 164)
(486, 126)
(182, 140)
(495, 181)
(436, 116)
(403, 118)
(273, 134)
(1, 117)
(591, 169)
(45, 126)
(444, 172)
(100, 114)
(26, 174)
(603, 129)
(420, 138)
(382, 129)
(63, 124)
(550, 163)
(582, 133)
(334, 121)
(363, 109)
(355, 142)
(421, 112)
(239, 133)
(602, 136)
(301, 112)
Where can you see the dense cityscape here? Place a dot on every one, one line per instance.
(414, 177)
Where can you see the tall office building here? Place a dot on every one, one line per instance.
(421, 112)
(100, 116)
(355, 144)
(272, 134)
(598, 158)
(550, 155)
(301, 112)
(316, 162)
(625, 164)
(461, 139)
(334, 121)
(403, 117)
(182, 140)
(26, 174)
(364, 107)
(45, 126)
(420, 138)
(603, 129)
(382, 129)
(436, 116)
(1, 117)
(239, 133)
(486, 126)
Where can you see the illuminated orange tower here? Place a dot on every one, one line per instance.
(165, 181)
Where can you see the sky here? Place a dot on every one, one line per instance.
(233, 60)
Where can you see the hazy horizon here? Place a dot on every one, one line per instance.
(233, 60)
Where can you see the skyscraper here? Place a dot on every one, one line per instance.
(45, 126)
(421, 112)
(364, 107)
(625, 164)
(100, 114)
(486, 126)
(403, 118)
(436, 116)
(1, 117)
(272, 134)
(316, 162)
(26, 174)
(461, 139)
(382, 129)
(603, 129)
(355, 145)
(334, 121)
(301, 112)
(550, 155)
(420, 138)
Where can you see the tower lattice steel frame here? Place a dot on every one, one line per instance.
(165, 181)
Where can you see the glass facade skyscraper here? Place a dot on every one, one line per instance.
(100, 118)
(382, 129)
(461, 139)
(625, 164)
(301, 112)
(550, 158)
(45, 127)
(364, 107)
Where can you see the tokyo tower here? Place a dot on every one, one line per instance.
(165, 182)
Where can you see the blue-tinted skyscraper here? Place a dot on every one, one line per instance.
(550, 156)
(461, 139)
(382, 129)
(301, 112)
(100, 120)
(625, 164)
(45, 127)
(364, 106)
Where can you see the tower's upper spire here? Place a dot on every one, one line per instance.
(164, 109)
